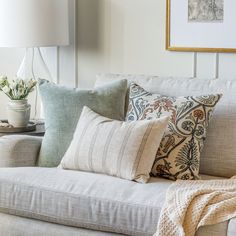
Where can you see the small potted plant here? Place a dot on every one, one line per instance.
(18, 109)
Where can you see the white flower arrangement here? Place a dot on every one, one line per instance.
(17, 89)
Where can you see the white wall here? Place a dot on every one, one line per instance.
(119, 36)
(128, 36)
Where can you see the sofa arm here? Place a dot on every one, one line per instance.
(232, 227)
(19, 150)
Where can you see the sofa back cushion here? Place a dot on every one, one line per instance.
(62, 108)
(218, 157)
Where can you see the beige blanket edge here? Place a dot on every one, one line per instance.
(192, 204)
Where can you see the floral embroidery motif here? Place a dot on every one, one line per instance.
(178, 156)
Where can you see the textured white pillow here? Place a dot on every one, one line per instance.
(123, 149)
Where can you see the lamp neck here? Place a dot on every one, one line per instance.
(34, 65)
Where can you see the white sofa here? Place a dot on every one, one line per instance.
(52, 201)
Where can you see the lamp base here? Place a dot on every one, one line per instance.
(33, 66)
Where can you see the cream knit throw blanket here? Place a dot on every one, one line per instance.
(191, 204)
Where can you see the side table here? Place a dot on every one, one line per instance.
(40, 131)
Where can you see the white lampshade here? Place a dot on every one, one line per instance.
(33, 23)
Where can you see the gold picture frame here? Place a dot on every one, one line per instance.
(170, 47)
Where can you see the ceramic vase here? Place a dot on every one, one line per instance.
(18, 113)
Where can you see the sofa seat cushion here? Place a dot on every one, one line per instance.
(82, 199)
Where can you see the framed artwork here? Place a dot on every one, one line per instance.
(201, 25)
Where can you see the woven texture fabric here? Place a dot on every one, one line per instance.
(20, 226)
(19, 150)
(192, 204)
(83, 199)
(178, 156)
(11, 225)
(218, 157)
(123, 149)
(62, 109)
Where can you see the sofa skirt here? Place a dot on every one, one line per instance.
(11, 225)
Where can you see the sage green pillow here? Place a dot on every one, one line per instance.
(62, 109)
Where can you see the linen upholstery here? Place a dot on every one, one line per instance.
(232, 227)
(19, 226)
(219, 154)
(62, 108)
(19, 150)
(81, 199)
(123, 149)
(178, 156)
(214, 230)
(11, 225)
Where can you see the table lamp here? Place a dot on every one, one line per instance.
(32, 24)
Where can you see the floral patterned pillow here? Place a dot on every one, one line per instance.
(178, 156)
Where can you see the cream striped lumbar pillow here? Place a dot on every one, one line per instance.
(123, 149)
